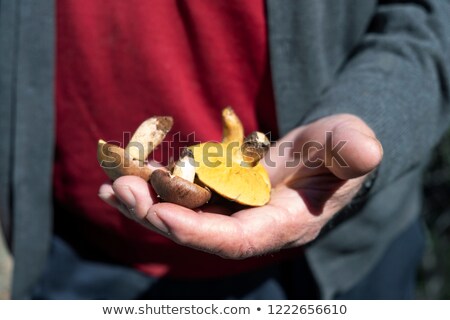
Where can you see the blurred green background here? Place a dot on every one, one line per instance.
(434, 275)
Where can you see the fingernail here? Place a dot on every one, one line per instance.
(105, 196)
(156, 221)
(126, 196)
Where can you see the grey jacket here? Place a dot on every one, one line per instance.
(386, 62)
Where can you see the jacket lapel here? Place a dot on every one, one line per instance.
(32, 135)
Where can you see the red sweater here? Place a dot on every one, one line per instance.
(120, 62)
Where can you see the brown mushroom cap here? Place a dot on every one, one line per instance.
(116, 162)
(178, 190)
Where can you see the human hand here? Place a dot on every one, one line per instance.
(314, 174)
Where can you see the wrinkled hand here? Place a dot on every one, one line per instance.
(313, 174)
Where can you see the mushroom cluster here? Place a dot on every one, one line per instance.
(230, 168)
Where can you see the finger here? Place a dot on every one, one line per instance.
(107, 195)
(342, 144)
(246, 233)
(136, 194)
(206, 231)
(361, 153)
(106, 188)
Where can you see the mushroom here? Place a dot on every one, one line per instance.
(233, 171)
(232, 168)
(117, 162)
(178, 187)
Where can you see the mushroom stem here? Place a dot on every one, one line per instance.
(185, 167)
(148, 136)
(232, 126)
(253, 149)
(117, 162)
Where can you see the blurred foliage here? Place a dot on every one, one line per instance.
(434, 277)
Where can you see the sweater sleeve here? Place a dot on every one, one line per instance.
(398, 80)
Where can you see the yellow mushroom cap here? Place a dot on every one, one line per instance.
(220, 167)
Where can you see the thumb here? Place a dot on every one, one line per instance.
(351, 149)
(341, 144)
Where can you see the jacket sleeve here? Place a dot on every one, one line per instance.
(398, 80)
